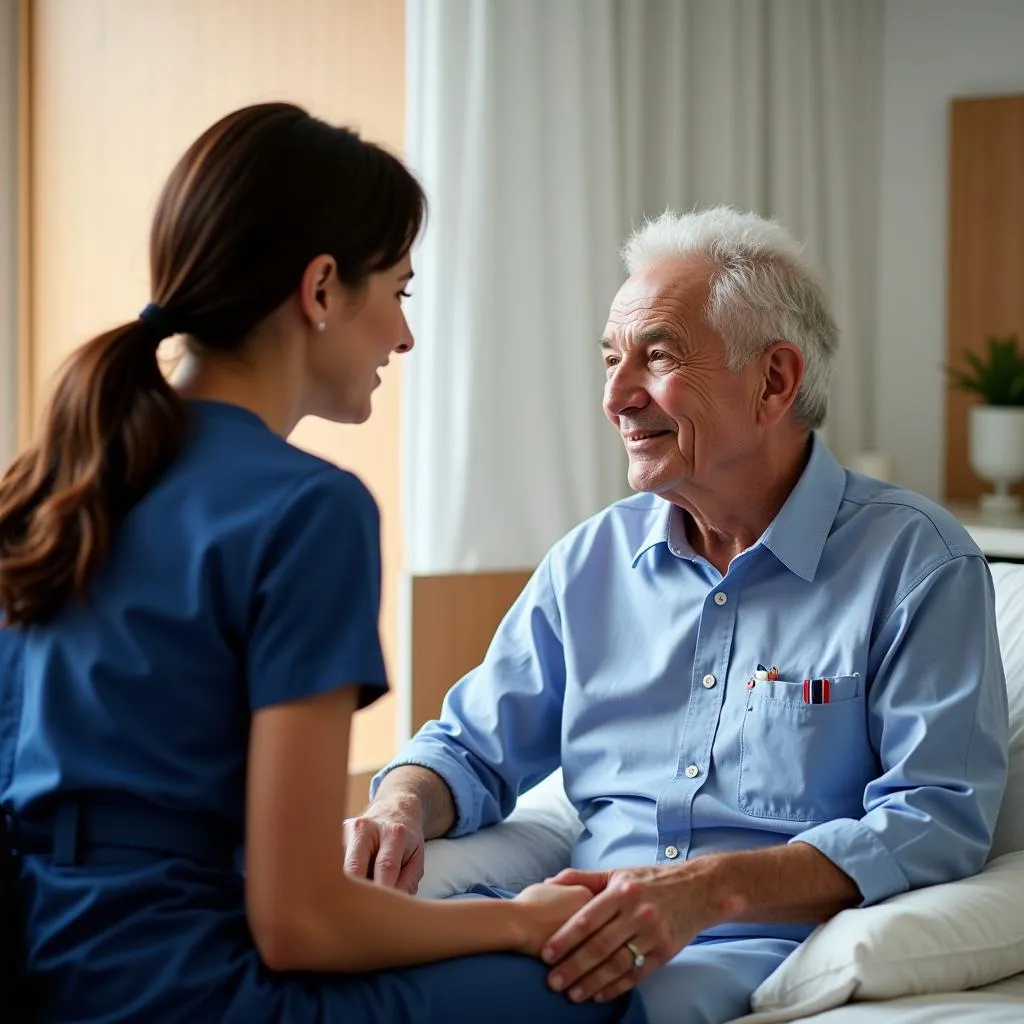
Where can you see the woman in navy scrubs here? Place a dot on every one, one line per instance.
(191, 613)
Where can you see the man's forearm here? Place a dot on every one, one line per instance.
(791, 884)
(420, 792)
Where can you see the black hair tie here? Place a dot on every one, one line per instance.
(160, 324)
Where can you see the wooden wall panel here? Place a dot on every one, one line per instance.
(23, 243)
(453, 620)
(985, 286)
(14, 149)
(9, 150)
(119, 90)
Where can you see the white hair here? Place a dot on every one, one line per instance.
(762, 290)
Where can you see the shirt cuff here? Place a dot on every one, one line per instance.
(453, 772)
(856, 850)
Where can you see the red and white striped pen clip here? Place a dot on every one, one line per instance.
(817, 691)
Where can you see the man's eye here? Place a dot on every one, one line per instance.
(610, 362)
(404, 295)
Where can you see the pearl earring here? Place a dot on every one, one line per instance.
(321, 326)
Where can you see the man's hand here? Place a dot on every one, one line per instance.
(385, 843)
(658, 912)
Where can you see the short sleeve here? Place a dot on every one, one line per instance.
(314, 622)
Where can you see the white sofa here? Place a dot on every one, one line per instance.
(950, 953)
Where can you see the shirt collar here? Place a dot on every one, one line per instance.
(661, 523)
(796, 536)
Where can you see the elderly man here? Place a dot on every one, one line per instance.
(773, 685)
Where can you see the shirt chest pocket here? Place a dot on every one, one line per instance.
(804, 750)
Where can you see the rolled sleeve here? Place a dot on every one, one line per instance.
(499, 728)
(473, 799)
(937, 714)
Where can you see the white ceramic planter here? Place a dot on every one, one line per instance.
(997, 452)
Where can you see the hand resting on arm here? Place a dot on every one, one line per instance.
(305, 912)
(386, 841)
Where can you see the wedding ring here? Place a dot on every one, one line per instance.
(638, 958)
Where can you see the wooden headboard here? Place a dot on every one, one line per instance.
(451, 622)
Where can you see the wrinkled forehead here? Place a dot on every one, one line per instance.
(668, 294)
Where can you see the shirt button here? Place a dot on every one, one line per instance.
(692, 771)
(720, 599)
(708, 681)
(671, 852)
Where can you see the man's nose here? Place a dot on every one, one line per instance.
(624, 391)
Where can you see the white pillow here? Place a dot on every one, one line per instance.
(533, 843)
(944, 938)
(1009, 583)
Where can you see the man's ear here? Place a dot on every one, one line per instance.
(316, 295)
(783, 366)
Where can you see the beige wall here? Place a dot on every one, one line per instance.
(119, 88)
(8, 229)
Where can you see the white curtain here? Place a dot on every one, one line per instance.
(8, 229)
(543, 130)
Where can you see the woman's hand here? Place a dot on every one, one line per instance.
(544, 908)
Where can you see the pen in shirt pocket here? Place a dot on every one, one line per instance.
(814, 691)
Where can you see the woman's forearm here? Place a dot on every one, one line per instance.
(360, 926)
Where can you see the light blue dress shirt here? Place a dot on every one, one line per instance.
(631, 661)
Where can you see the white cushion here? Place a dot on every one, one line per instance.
(1009, 582)
(533, 843)
(979, 1006)
(944, 938)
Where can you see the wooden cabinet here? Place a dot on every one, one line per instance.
(985, 284)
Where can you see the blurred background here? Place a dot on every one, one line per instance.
(888, 135)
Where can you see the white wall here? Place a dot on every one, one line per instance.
(934, 50)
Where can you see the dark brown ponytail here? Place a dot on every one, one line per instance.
(114, 425)
(255, 198)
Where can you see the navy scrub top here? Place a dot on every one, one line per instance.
(248, 576)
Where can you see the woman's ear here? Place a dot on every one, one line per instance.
(318, 290)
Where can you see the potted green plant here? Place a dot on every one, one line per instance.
(997, 421)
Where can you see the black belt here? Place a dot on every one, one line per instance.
(83, 831)
(12, 955)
